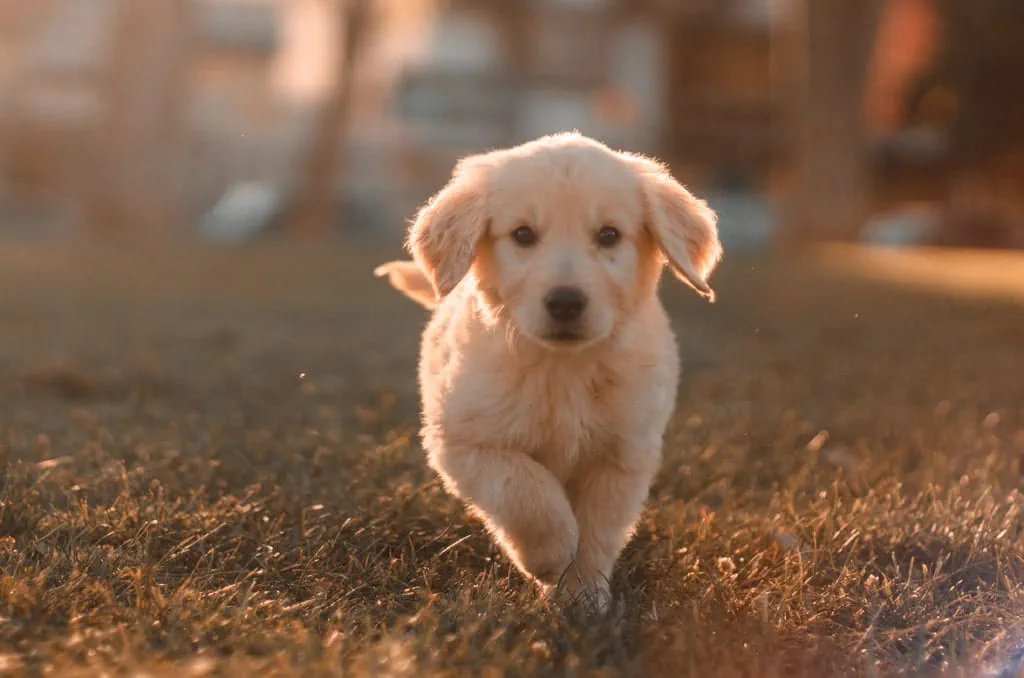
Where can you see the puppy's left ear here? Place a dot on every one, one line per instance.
(683, 225)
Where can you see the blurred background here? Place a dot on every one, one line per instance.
(880, 121)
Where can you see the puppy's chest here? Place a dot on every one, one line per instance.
(559, 418)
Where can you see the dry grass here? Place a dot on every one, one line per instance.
(839, 493)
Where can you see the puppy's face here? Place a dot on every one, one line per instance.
(565, 237)
(565, 251)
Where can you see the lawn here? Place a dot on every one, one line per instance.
(210, 468)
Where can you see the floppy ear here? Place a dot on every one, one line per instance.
(683, 225)
(444, 236)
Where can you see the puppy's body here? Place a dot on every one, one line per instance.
(548, 370)
(556, 451)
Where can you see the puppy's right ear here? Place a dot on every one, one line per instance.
(444, 236)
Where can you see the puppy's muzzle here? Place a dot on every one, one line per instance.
(565, 304)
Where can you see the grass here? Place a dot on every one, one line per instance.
(210, 468)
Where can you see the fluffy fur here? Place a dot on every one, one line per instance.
(551, 430)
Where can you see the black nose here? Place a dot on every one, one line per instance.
(565, 303)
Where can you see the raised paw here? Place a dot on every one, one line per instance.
(545, 552)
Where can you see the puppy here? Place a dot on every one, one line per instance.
(548, 370)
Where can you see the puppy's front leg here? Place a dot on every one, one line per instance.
(523, 505)
(607, 499)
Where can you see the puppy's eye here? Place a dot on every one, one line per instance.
(608, 236)
(525, 236)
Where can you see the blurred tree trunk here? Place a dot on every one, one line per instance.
(138, 185)
(822, 51)
(324, 167)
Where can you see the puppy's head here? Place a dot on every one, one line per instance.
(563, 236)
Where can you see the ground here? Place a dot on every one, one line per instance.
(210, 467)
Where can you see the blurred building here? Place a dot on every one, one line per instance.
(684, 79)
(139, 113)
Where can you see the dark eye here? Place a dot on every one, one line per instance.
(608, 236)
(525, 236)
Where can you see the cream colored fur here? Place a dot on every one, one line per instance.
(552, 443)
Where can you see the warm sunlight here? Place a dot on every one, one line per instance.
(351, 338)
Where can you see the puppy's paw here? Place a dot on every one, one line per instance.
(545, 552)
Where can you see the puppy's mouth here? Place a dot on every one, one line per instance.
(565, 337)
(568, 339)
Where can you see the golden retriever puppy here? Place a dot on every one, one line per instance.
(548, 371)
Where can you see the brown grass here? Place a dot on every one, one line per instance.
(210, 467)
